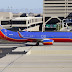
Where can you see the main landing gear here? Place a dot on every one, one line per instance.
(37, 44)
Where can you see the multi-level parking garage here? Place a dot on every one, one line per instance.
(54, 11)
(29, 23)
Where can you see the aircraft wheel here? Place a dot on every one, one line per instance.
(37, 44)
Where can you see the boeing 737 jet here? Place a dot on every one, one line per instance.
(47, 38)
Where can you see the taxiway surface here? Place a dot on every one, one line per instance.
(56, 58)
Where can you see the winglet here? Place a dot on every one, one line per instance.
(20, 35)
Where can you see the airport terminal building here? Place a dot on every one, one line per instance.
(54, 11)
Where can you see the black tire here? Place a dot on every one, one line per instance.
(37, 44)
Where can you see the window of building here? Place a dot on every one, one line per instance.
(35, 20)
(28, 22)
(18, 22)
(4, 22)
(32, 20)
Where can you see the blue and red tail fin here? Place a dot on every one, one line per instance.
(20, 35)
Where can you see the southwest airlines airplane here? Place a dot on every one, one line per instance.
(47, 38)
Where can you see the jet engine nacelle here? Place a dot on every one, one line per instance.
(48, 42)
